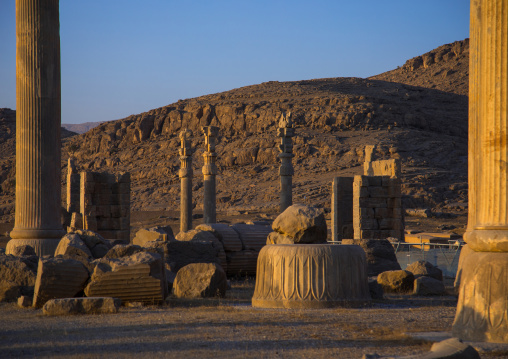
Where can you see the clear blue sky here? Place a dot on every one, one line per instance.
(122, 57)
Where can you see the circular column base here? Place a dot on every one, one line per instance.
(311, 276)
(42, 246)
(487, 240)
(482, 309)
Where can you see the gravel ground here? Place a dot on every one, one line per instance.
(228, 328)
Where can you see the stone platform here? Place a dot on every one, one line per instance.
(311, 276)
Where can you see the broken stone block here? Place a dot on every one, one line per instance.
(93, 305)
(22, 251)
(428, 286)
(396, 281)
(19, 270)
(58, 278)
(375, 289)
(197, 235)
(242, 263)
(200, 280)
(136, 278)
(9, 291)
(302, 223)
(72, 245)
(253, 236)
(95, 242)
(380, 254)
(229, 238)
(159, 233)
(123, 250)
(425, 269)
(277, 238)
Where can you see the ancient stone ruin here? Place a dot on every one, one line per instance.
(286, 171)
(209, 173)
(185, 174)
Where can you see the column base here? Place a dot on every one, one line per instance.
(487, 239)
(44, 241)
(482, 310)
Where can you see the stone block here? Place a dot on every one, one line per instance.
(360, 191)
(103, 211)
(380, 254)
(25, 301)
(377, 192)
(72, 245)
(70, 306)
(386, 223)
(369, 224)
(361, 181)
(242, 263)
(253, 236)
(9, 291)
(396, 281)
(200, 280)
(394, 202)
(58, 278)
(428, 286)
(19, 270)
(374, 202)
(302, 223)
(277, 238)
(159, 233)
(381, 213)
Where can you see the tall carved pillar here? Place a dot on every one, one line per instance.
(38, 192)
(482, 310)
(209, 173)
(185, 174)
(286, 171)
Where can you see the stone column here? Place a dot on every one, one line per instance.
(38, 191)
(482, 310)
(209, 173)
(185, 174)
(286, 171)
(73, 184)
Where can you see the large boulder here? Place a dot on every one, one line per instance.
(22, 251)
(159, 233)
(425, 269)
(58, 277)
(19, 270)
(136, 278)
(95, 242)
(396, 281)
(380, 254)
(428, 286)
(302, 223)
(94, 305)
(200, 280)
(72, 245)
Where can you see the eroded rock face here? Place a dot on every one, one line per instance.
(94, 305)
(396, 281)
(200, 280)
(58, 278)
(302, 223)
(425, 269)
(139, 277)
(380, 254)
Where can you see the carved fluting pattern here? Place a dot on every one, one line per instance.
(482, 311)
(38, 120)
(319, 275)
(286, 170)
(209, 172)
(488, 122)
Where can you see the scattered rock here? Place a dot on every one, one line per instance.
(200, 280)
(425, 269)
(95, 242)
(19, 270)
(25, 250)
(419, 212)
(123, 250)
(72, 246)
(58, 278)
(302, 223)
(428, 286)
(380, 254)
(277, 238)
(136, 278)
(93, 305)
(159, 233)
(396, 281)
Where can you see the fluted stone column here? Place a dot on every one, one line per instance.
(482, 310)
(38, 192)
(185, 174)
(209, 173)
(286, 171)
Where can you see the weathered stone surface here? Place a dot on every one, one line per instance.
(25, 301)
(428, 286)
(253, 236)
(482, 310)
(19, 270)
(199, 236)
(95, 242)
(73, 246)
(277, 238)
(93, 305)
(302, 223)
(58, 278)
(159, 233)
(9, 291)
(229, 238)
(24, 250)
(136, 278)
(123, 250)
(242, 263)
(425, 269)
(310, 276)
(464, 252)
(200, 280)
(380, 254)
(396, 281)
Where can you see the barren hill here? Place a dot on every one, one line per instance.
(335, 119)
(80, 127)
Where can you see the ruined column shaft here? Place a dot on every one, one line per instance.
(38, 192)
(209, 208)
(488, 122)
(185, 194)
(286, 192)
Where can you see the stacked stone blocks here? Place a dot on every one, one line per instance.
(105, 204)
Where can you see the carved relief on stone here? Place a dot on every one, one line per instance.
(310, 276)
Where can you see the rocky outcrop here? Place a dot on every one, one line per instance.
(303, 224)
(200, 280)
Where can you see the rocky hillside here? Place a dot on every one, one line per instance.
(426, 126)
(80, 127)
